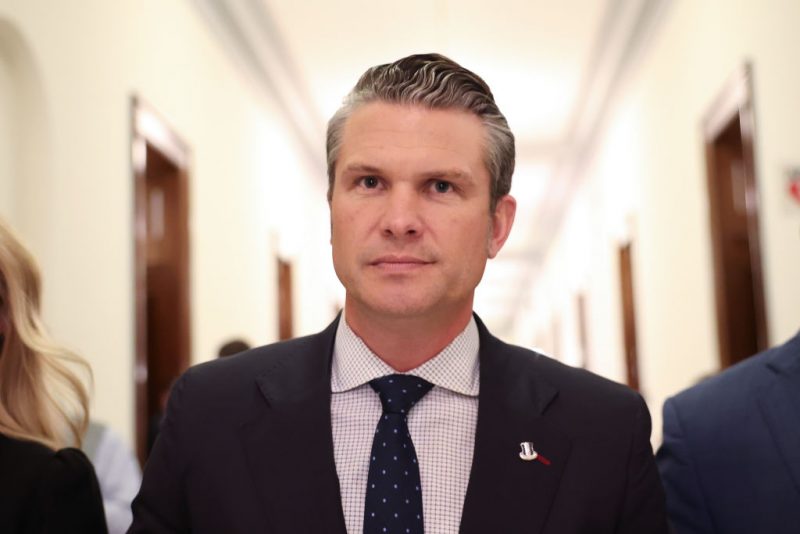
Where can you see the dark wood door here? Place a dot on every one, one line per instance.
(734, 220)
(736, 285)
(628, 316)
(161, 250)
(285, 300)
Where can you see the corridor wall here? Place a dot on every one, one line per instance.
(644, 181)
(70, 70)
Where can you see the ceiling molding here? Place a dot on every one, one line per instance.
(252, 40)
(621, 41)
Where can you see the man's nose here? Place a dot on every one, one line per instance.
(401, 218)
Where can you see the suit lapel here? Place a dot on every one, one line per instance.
(506, 493)
(780, 404)
(288, 440)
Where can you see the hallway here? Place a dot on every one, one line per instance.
(611, 263)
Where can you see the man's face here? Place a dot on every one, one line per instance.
(410, 223)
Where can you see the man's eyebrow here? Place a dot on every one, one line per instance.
(449, 174)
(455, 174)
(361, 168)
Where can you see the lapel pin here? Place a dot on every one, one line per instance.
(528, 453)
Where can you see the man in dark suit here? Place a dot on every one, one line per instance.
(731, 453)
(405, 415)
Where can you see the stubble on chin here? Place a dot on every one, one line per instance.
(398, 302)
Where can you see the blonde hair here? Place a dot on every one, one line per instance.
(42, 398)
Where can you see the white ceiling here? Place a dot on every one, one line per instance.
(533, 53)
(551, 66)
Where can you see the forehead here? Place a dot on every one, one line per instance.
(392, 132)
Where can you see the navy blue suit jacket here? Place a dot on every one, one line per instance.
(247, 446)
(730, 460)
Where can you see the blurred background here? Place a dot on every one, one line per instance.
(164, 160)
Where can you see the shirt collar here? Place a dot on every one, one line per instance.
(454, 368)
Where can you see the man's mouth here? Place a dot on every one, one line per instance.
(399, 263)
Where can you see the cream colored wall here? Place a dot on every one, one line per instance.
(91, 57)
(584, 260)
(645, 179)
(7, 92)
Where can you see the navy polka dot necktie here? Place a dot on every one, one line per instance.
(394, 495)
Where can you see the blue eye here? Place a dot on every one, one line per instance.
(442, 187)
(370, 182)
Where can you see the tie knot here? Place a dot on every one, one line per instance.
(398, 393)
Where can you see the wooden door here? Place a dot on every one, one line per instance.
(161, 257)
(734, 220)
(628, 317)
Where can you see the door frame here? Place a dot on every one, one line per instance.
(149, 128)
(736, 98)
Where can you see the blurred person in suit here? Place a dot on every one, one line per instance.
(730, 459)
(46, 486)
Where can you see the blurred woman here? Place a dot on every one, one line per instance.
(45, 485)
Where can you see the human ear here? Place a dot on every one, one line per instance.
(502, 220)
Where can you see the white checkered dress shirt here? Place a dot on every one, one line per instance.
(442, 425)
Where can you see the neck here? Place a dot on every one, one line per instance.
(405, 343)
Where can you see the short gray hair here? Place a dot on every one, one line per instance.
(437, 82)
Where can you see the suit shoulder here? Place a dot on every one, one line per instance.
(568, 376)
(575, 386)
(226, 384)
(728, 385)
(753, 372)
(717, 404)
(250, 363)
(264, 355)
(578, 401)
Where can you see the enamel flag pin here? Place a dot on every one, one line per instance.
(528, 453)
